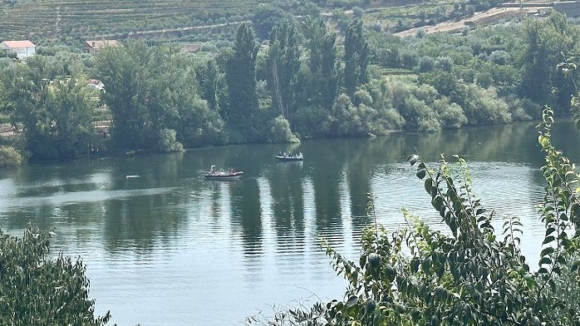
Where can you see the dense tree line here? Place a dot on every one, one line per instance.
(305, 80)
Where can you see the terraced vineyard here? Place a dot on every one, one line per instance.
(57, 21)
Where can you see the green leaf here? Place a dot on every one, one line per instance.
(429, 185)
(415, 265)
(545, 261)
(552, 284)
(413, 159)
(351, 301)
(575, 266)
(426, 265)
(421, 173)
(440, 271)
(547, 251)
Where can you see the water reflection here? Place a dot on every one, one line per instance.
(197, 243)
(247, 214)
(285, 186)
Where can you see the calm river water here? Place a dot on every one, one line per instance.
(170, 248)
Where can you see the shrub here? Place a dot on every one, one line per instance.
(450, 114)
(445, 63)
(167, 142)
(484, 80)
(420, 116)
(426, 64)
(482, 106)
(393, 120)
(9, 156)
(363, 97)
(500, 57)
(311, 121)
(408, 59)
(280, 131)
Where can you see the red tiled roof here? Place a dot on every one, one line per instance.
(19, 44)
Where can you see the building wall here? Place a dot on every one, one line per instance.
(21, 53)
(24, 53)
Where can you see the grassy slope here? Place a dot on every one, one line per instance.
(47, 21)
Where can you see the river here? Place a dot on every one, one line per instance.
(167, 247)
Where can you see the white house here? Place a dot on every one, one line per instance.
(23, 49)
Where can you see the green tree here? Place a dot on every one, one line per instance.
(38, 290)
(265, 19)
(56, 112)
(545, 42)
(153, 98)
(242, 113)
(208, 79)
(356, 57)
(323, 64)
(283, 64)
(124, 72)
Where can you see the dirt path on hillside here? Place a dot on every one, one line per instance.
(480, 18)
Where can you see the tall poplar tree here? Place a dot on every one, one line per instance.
(322, 64)
(283, 64)
(356, 57)
(208, 78)
(241, 81)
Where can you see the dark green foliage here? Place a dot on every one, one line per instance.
(356, 57)
(545, 43)
(152, 96)
(265, 19)
(426, 64)
(38, 290)
(242, 113)
(125, 73)
(283, 64)
(280, 131)
(208, 78)
(487, 77)
(9, 156)
(324, 76)
(57, 112)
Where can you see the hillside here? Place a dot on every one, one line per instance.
(61, 21)
(71, 22)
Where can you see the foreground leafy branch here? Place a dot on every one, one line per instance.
(38, 290)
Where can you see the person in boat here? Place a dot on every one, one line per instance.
(284, 154)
